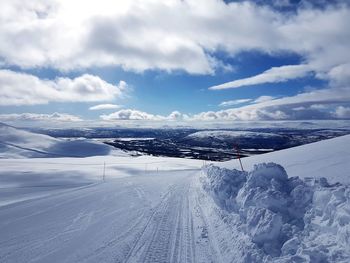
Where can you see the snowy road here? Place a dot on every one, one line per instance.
(147, 218)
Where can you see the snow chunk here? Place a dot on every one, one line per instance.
(224, 184)
(289, 219)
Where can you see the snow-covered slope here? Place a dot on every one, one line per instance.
(328, 158)
(17, 143)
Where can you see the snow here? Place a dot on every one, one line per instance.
(134, 139)
(17, 143)
(328, 158)
(21, 178)
(222, 134)
(119, 208)
(286, 218)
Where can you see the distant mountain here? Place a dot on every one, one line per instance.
(229, 139)
(18, 143)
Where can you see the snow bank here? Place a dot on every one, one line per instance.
(288, 219)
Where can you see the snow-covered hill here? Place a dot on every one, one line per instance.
(328, 158)
(232, 139)
(223, 134)
(17, 143)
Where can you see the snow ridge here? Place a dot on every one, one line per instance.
(288, 219)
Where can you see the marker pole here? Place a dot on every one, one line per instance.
(239, 157)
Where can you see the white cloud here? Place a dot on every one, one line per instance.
(273, 75)
(342, 112)
(13, 117)
(176, 116)
(319, 106)
(264, 98)
(307, 105)
(131, 114)
(140, 35)
(105, 107)
(340, 75)
(25, 89)
(234, 102)
(240, 115)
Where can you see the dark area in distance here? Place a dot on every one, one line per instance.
(215, 145)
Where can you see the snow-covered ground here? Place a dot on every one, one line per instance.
(328, 158)
(18, 143)
(111, 208)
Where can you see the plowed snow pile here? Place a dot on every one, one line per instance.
(271, 217)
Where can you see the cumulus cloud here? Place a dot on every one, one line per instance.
(131, 114)
(273, 75)
(25, 89)
(13, 117)
(240, 115)
(342, 112)
(176, 116)
(141, 35)
(234, 102)
(105, 107)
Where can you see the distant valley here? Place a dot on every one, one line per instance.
(215, 145)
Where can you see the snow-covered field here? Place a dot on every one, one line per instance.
(118, 208)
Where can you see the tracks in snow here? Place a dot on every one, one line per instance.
(168, 234)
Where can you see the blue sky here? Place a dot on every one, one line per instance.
(173, 61)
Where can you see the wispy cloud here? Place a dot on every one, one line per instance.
(263, 99)
(273, 75)
(105, 107)
(234, 102)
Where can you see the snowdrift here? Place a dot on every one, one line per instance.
(285, 219)
(17, 143)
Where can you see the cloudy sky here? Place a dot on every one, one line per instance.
(174, 61)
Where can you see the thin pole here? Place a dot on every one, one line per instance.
(239, 157)
(104, 171)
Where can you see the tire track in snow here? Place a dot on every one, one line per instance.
(167, 236)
